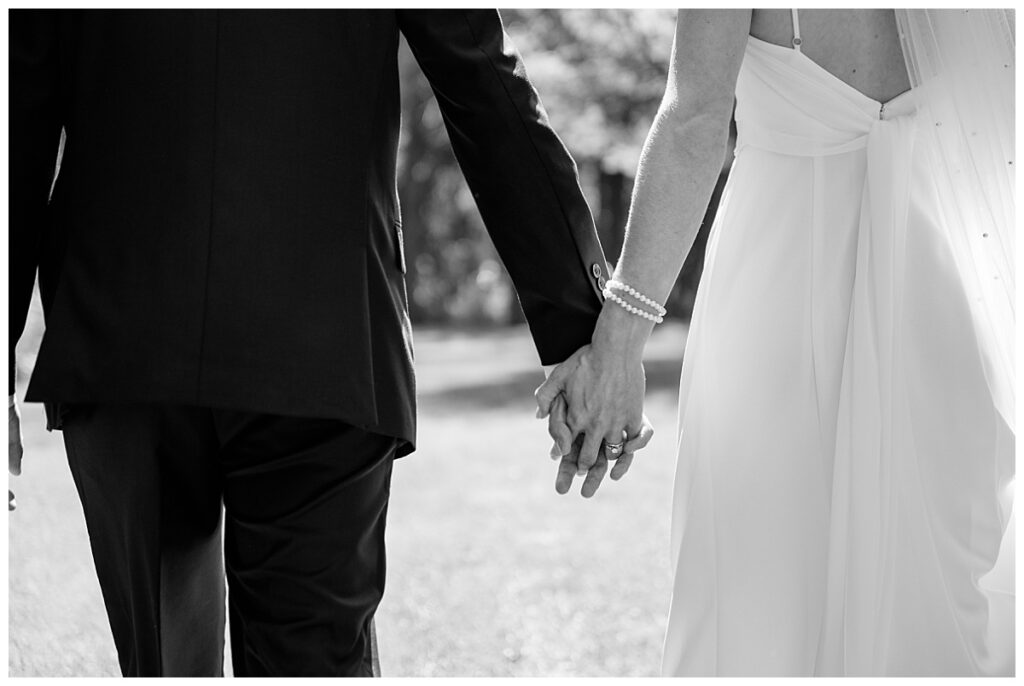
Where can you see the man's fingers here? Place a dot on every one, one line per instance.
(558, 379)
(567, 467)
(566, 473)
(549, 390)
(589, 452)
(558, 429)
(594, 477)
(621, 466)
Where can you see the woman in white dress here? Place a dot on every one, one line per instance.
(845, 451)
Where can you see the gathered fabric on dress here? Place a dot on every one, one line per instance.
(842, 493)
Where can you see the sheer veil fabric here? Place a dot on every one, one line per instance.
(962, 64)
(842, 494)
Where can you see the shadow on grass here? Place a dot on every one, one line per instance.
(517, 389)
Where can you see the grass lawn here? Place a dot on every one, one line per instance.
(490, 572)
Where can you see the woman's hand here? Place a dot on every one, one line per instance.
(598, 393)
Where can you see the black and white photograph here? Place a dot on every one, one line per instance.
(521, 342)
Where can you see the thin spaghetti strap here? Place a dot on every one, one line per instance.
(796, 30)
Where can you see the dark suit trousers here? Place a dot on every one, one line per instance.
(304, 508)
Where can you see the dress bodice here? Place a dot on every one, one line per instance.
(787, 103)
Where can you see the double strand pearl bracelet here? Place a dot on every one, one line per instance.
(618, 285)
(632, 309)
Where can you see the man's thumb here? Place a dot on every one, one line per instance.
(548, 391)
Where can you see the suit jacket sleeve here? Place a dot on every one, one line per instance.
(522, 177)
(34, 139)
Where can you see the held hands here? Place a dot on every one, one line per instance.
(594, 405)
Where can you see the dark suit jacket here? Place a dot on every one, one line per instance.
(225, 229)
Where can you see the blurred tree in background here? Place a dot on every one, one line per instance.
(600, 75)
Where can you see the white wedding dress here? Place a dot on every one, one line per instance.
(842, 489)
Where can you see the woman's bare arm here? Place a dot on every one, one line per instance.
(603, 383)
(684, 150)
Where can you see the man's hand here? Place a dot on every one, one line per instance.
(14, 448)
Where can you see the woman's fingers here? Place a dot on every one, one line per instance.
(589, 451)
(594, 477)
(569, 467)
(640, 440)
(621, 466)
(637, 442)
(614, 442)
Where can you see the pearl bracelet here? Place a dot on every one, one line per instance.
(613, 283)
(656, 318)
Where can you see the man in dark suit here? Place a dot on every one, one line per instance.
(220, 262)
